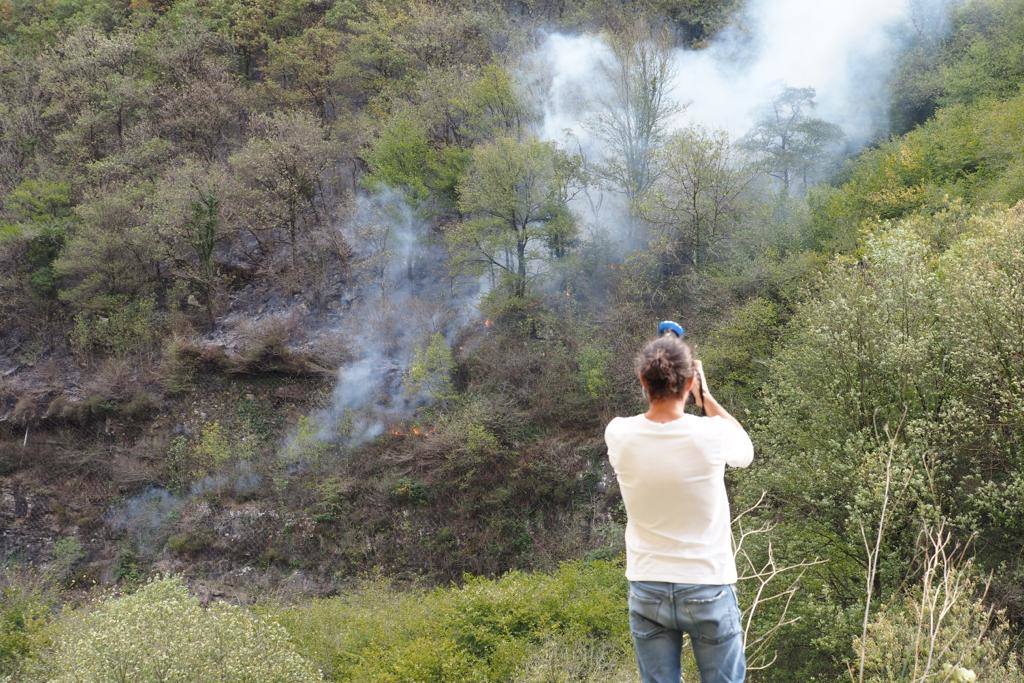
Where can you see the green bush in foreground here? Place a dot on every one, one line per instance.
(553, 627)
(24, 611)
(969, 643)
(519, 627)
(162, 633)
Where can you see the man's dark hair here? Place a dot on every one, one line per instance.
(665, 364)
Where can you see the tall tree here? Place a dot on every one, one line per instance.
(792, 145)
(187, 213)
(33, 226)
(281, 169)
(302, 70)
(699, 197)
(492, 106)
(110, 257)
(515, 195)
(200, 101)
(98, 93)
(632, 118)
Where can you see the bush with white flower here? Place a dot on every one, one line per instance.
(162, 633)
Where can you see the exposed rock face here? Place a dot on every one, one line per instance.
(27, 527)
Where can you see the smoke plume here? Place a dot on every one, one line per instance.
(844, 50)
(146, 518)
(403, 295)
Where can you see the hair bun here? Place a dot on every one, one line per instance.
(665, 364)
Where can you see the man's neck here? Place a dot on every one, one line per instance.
(666, 409)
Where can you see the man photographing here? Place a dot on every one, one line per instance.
(679, 558)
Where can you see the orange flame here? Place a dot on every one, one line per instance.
(488, 323)
(413, 431)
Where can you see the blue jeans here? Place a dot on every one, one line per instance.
(659, 614)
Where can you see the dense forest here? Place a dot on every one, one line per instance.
(313, 313)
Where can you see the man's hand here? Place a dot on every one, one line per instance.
(699, 387)
(703, 398)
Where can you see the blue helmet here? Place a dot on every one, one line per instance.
(671, 326)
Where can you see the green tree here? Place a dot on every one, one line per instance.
(38, 217)
(393, 43)
(515, 196)
(698, 200)
(97, 92)
(200, 97)
(791, 144)
(303, 70)
(632, 120)
(110, 256)
(250, 25)
(430, 372)
(493, 107)
(281, 169)
(405, 158)
(23, 130)
(186, 213)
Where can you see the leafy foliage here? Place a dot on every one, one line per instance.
(515, 195)
(161, 633)
(894, 341)
(791, 144)
(24, 613)
(482, 631)
(167, 168)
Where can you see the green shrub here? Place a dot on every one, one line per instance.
(985, 52)
(24, 612)
(917, 336)
(430, 372)
(486, 630)
(179, 463)
(190, 542)
(737, 352)
(129, 327)
(965, 152)
(161, 633)
(593, 376)
(67, 552)
(216, 447)
(126, 567)
(408, 491)
(305, 443)
(969, 640)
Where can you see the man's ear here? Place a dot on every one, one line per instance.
(688, 387)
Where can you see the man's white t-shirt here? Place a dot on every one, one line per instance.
(671, 475)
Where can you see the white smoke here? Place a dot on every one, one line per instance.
(146, 518)
(844, 50)
(403, 297)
